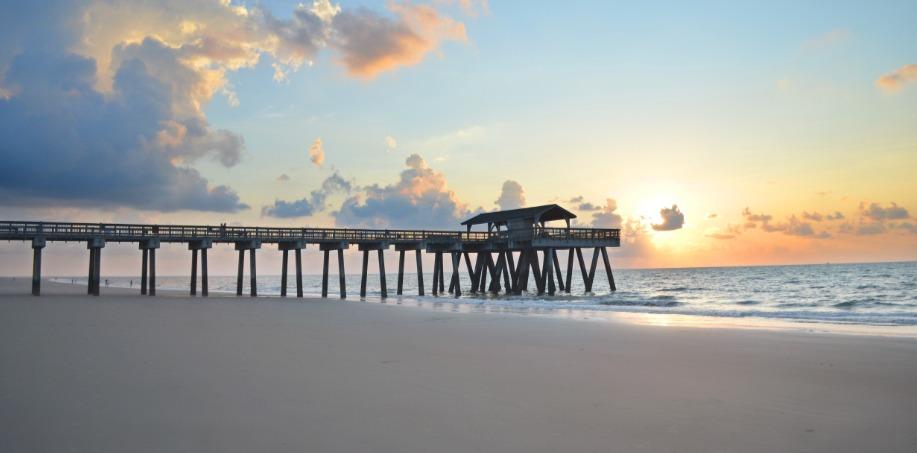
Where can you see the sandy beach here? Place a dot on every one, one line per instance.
(127, 373)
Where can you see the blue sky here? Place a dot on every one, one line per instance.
(633, 107)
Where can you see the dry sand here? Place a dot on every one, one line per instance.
(123, 373)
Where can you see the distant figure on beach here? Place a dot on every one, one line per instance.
(106, 282)
(132, 283)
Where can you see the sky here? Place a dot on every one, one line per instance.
(711, 133)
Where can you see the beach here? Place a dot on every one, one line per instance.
(123, 372)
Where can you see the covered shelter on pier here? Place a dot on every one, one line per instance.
(522, 218)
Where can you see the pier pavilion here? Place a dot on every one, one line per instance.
(518, 247)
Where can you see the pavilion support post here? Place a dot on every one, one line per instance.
(204, 272)
(299, 273)
(522, 270)
(442, 274)
(500, 273)
(241, 246)
(560, 277)
(325, 273)
(384, 291)
(151, 290)
(363, 275)
(419, 259)
(536, 272)
(595, 261)
(587, 282)
(194, 272)
(97, 272)
(511, 271)
(239, 275)
(456, 263)
(436, 262)
(253, 289)
(37, 245)
(476, 275)
(482, 278)
(494, 275)
(548, 274)
(569, 270)
(611, 278)
(400, 287)
(503, 267)
(92, 271)
(283, 273)
(469, 268)
(341, 275)
(143, 270)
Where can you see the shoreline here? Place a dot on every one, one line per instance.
(647, 318)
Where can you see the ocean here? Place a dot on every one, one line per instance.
(881, 294)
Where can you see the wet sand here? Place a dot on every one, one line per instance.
(128, 373)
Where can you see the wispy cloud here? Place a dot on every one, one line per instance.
(897, 79)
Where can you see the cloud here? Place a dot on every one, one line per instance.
(390, 142)
(730, 232)
(317, 153)
(512, 196)
(895, 80)
(608, 217)
(672, 219)
(876, 212)
(826, 40)
(370, 43)
(62, 141)
(813, 216)
(586, 206)
(863, 228)
(419, 199)
(283, 178)
(577, 199)
(712, 215)
(315, 202)
(752, 220)
(103, 103)
(838, 215)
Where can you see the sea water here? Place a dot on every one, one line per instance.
(867, 294)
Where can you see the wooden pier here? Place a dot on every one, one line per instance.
(506, 255)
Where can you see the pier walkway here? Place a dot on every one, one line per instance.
(514, 236)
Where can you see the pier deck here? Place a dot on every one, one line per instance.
(517, 252)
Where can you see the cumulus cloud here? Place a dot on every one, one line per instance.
(420, 198)
(390, 142)
(752, 220)
(315, 202)
(877, 212)
(838, 215)
(672, 219)
(875, 219)
(512, 196)
(62, 141)
(317, 153)
(895, 80)
(793, 226)
(102, 102)
(812, 216)
(608, 217)
(586, 206)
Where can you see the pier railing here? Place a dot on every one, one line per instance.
(120, 232)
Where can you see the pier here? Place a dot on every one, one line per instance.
(517, 247)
